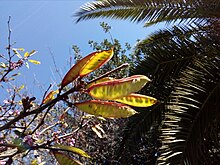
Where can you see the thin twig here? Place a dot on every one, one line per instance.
(42, 120)
(49, 127)
(9, 52)
(45, 93)
(110, 72)
(9, 38)
(73, 132)
(37, 110)
(35, 116)
(54, 62)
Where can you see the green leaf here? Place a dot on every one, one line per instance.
(74, 150)
(64, 159)
(118, 88)
(35, 62)
(137, 100)
(97, 60)
(106, 109)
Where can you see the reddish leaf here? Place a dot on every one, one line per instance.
(50, 96)
(98, 59)
(118, 88)
(73, 73)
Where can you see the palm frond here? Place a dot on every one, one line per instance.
(149, 11)
(193, 106)
(180, 63)
(166, 54)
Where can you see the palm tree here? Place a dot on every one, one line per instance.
(184, 64)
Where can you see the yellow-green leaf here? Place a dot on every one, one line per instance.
(50, 96)
(73, 73)
(74, 150)
(20, 88)
(34, 62)
(26, 54)
(106, 109)
(21, 49)
(118, 88)
(98, 59)
(137, 100)
(99, 81)
(64, 159)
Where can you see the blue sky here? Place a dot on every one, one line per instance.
(49, 25)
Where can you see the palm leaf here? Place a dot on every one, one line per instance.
(193, 106)
(163, 61)
(167, 54)
(149, 11)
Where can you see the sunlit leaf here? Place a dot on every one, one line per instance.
(34, 162)
(2, 65)
(99, 81)
(101, 118)
(20, 88)
(64, 159)
(106, 109)
(42, 163)
(97, 132)
(16, 53)
(21, 49)
(26, 54)
(118, 88)
(98, 59)
(74, 150)
(8, 153)
(73, 73)
(32, 53)
(137, 100)
(35, 62)
(50, 96)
